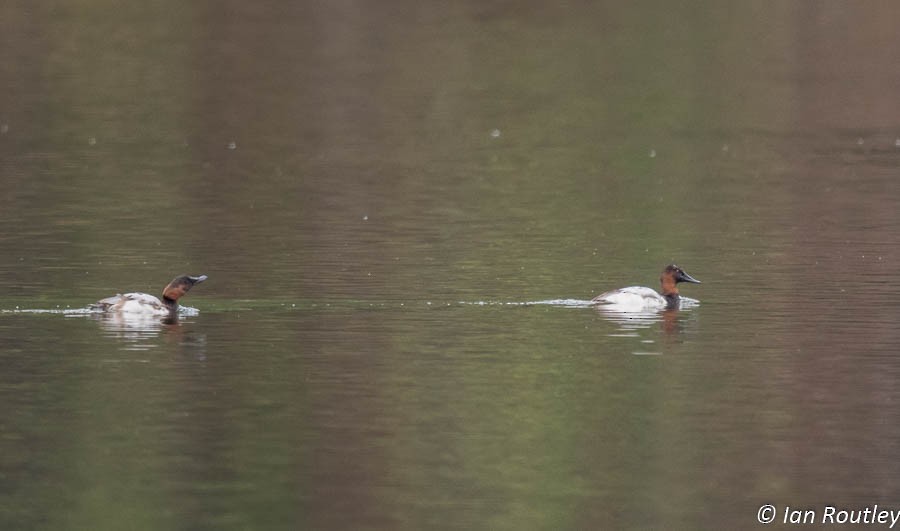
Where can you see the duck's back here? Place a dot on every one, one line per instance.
(132, 303)
(632, 296)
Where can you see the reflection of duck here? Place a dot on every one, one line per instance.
(143, 331)
(142, 303)
(638, 298)
(138, 330)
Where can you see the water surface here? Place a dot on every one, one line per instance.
(402, 209)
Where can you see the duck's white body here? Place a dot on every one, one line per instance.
(638, 297)
(137, 303)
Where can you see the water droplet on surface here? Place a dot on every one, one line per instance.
(92, 141)
(365, 218)
(495, 133)
(232, 145)
(860, 141)
(652, 153)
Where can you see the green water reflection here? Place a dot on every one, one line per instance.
(366, 185)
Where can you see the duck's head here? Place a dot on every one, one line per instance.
(181, 285)
(671, 276)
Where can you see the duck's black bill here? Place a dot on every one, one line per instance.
(684, 277)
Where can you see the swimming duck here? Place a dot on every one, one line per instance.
(148, 304)
(639, 297)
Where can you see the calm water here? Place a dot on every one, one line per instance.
(399, 208)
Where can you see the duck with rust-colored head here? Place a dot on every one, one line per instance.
(143, 303)
(641, 298)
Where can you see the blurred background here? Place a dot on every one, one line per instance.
(378, 192)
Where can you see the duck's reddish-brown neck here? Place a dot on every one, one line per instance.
(669, 287)
(171, 304)
(173, 292)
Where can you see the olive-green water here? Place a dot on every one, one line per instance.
(401, 208)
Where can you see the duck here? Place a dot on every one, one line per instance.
(143, 303)
(641, 298)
